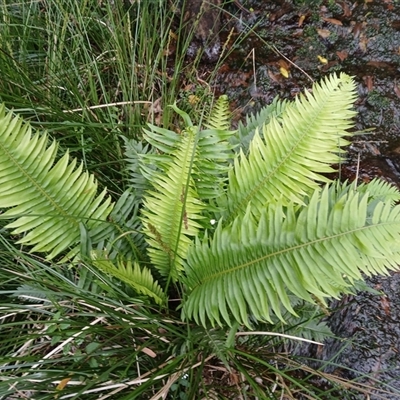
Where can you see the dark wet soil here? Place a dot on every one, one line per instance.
(361, 38)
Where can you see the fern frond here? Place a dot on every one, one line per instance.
(380, 190)
(140, 172)
(122, 233)
(220, 116)
(215, 152)
(313, 252)
(172, 209)
(287, 161)
(212, 163)
(49, 201)
(140, 279)
(245, 132)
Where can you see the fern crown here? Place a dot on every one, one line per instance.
(243, 224)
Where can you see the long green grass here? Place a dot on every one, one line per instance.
(88, 71)
(72, 333)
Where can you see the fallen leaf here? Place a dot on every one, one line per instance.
(333, 21)
(149, 352)
(346, 9)
(385, 305)
(357, 28)
(284, 72)
(324, 33)
(369, 82)
(342, 54)
(274, 77)
(363, 43)
(322, 60)
(301, 20)
(380, 64)
(284, 64)
(397, 90)
(62, 384)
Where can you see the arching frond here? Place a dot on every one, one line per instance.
(313, 252)
(172, 209)
(213, 147)
(139, 278)
(287, 160)
(48, 202)
(246, 131)
(215, 152)
(212, 163)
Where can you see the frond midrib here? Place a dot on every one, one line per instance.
(59, 211)
(177, 214)
(232, 270)
(291, 150)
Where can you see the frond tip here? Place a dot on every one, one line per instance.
(140, 279)
(289, 154)
(48, 201)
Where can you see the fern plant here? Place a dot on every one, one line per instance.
(236, 222)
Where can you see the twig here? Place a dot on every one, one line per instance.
(277, 334)
(118, 103)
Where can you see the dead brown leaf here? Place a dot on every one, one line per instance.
(385, 305)
(363, 43)
(369, 82)
(342, 54)
(380, 64)
(284, 64)
(274, 77)
(358, 27)
(324, 33)
(149, 352)
(333, 21)
(397, 89)
(346, 9)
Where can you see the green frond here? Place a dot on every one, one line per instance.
(313, 252)
(162, 139)
(121, 234)
(286, 162)
(140, 279)
(48, 202)
(246, 131)
(214, 152)
(140, 172)
(220, 116)
(213, 163)
(172, 209)
(380, 190)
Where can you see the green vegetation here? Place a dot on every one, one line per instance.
(170, 261)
